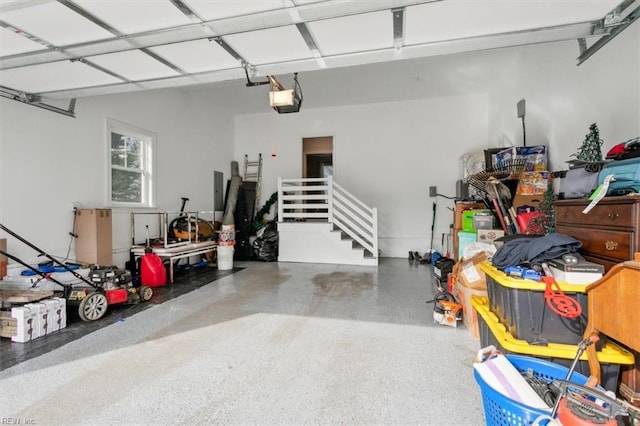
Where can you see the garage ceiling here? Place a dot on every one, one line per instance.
(68, 49)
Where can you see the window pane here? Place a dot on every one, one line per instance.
(134, 148)
(117, 149)
(126, 186)
(126, 151)
(130, 163)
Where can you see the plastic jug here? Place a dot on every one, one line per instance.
(152, 271)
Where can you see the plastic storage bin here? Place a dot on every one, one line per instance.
(502, 410)
(520, 305)
(491, 332)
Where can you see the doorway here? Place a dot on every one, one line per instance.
(317, 157)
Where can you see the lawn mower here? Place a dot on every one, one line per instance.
(105, 285)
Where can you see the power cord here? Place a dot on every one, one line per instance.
(542, 388)
(446, 196)
(72, 234)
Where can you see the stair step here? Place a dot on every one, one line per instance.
(304, 242)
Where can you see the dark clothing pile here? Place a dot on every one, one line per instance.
(535, 250)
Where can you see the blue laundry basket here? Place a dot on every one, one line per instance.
(502, 410)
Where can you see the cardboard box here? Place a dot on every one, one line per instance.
(468, 273)
(521, 201)
(462, 206)
(583, 272)
(3, 259)
(469, 315)
(489, 235)
(94, 242)
(470, 281)
(535, 157)
(39, 319)
(533, 183)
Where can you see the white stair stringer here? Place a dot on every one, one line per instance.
(317, 242)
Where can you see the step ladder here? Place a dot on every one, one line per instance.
(253, 173)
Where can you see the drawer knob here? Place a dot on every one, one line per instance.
(610, 245)
(613, 215)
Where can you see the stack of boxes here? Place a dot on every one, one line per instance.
(477, 225)
(458, 231)
(32, 320)
(470, 281)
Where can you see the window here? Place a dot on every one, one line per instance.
(131, 154)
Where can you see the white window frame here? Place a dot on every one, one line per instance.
(148, 163)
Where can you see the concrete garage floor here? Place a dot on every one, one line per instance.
(286, 343)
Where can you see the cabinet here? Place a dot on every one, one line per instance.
(94, 242)
(609, 233)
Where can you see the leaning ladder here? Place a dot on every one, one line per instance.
(253, 173)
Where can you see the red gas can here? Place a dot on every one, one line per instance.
(152, 271)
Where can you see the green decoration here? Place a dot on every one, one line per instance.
(258, 221)
(545, 223)
(590, 151)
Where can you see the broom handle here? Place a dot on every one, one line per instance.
(496, 206)
(497, 202)
(507, 217)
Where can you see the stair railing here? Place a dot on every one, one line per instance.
(322, 199)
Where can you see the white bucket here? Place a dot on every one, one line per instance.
(225, 258)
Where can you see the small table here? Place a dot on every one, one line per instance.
(177, 252)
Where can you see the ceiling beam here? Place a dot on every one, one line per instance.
(221, 27)
(187, 11)
(36, 101)
(398, 27)
(231, 51)
(464, 45)
(616, 29)
(89, 16)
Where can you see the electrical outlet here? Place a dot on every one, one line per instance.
(433, 191)
(75, 205)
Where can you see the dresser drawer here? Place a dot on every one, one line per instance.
(612, 244)
(616, 215)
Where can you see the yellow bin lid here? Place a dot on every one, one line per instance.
(525, 284)
(610, 353)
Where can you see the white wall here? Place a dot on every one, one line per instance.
(386, 154)
(402, 127)
(399, 128)
(50, 160)
(563, 99)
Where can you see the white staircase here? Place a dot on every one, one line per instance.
(320, 222)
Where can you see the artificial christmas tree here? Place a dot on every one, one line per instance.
(590, 151)
(545, 222)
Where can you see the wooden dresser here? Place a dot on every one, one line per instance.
(609, 233)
